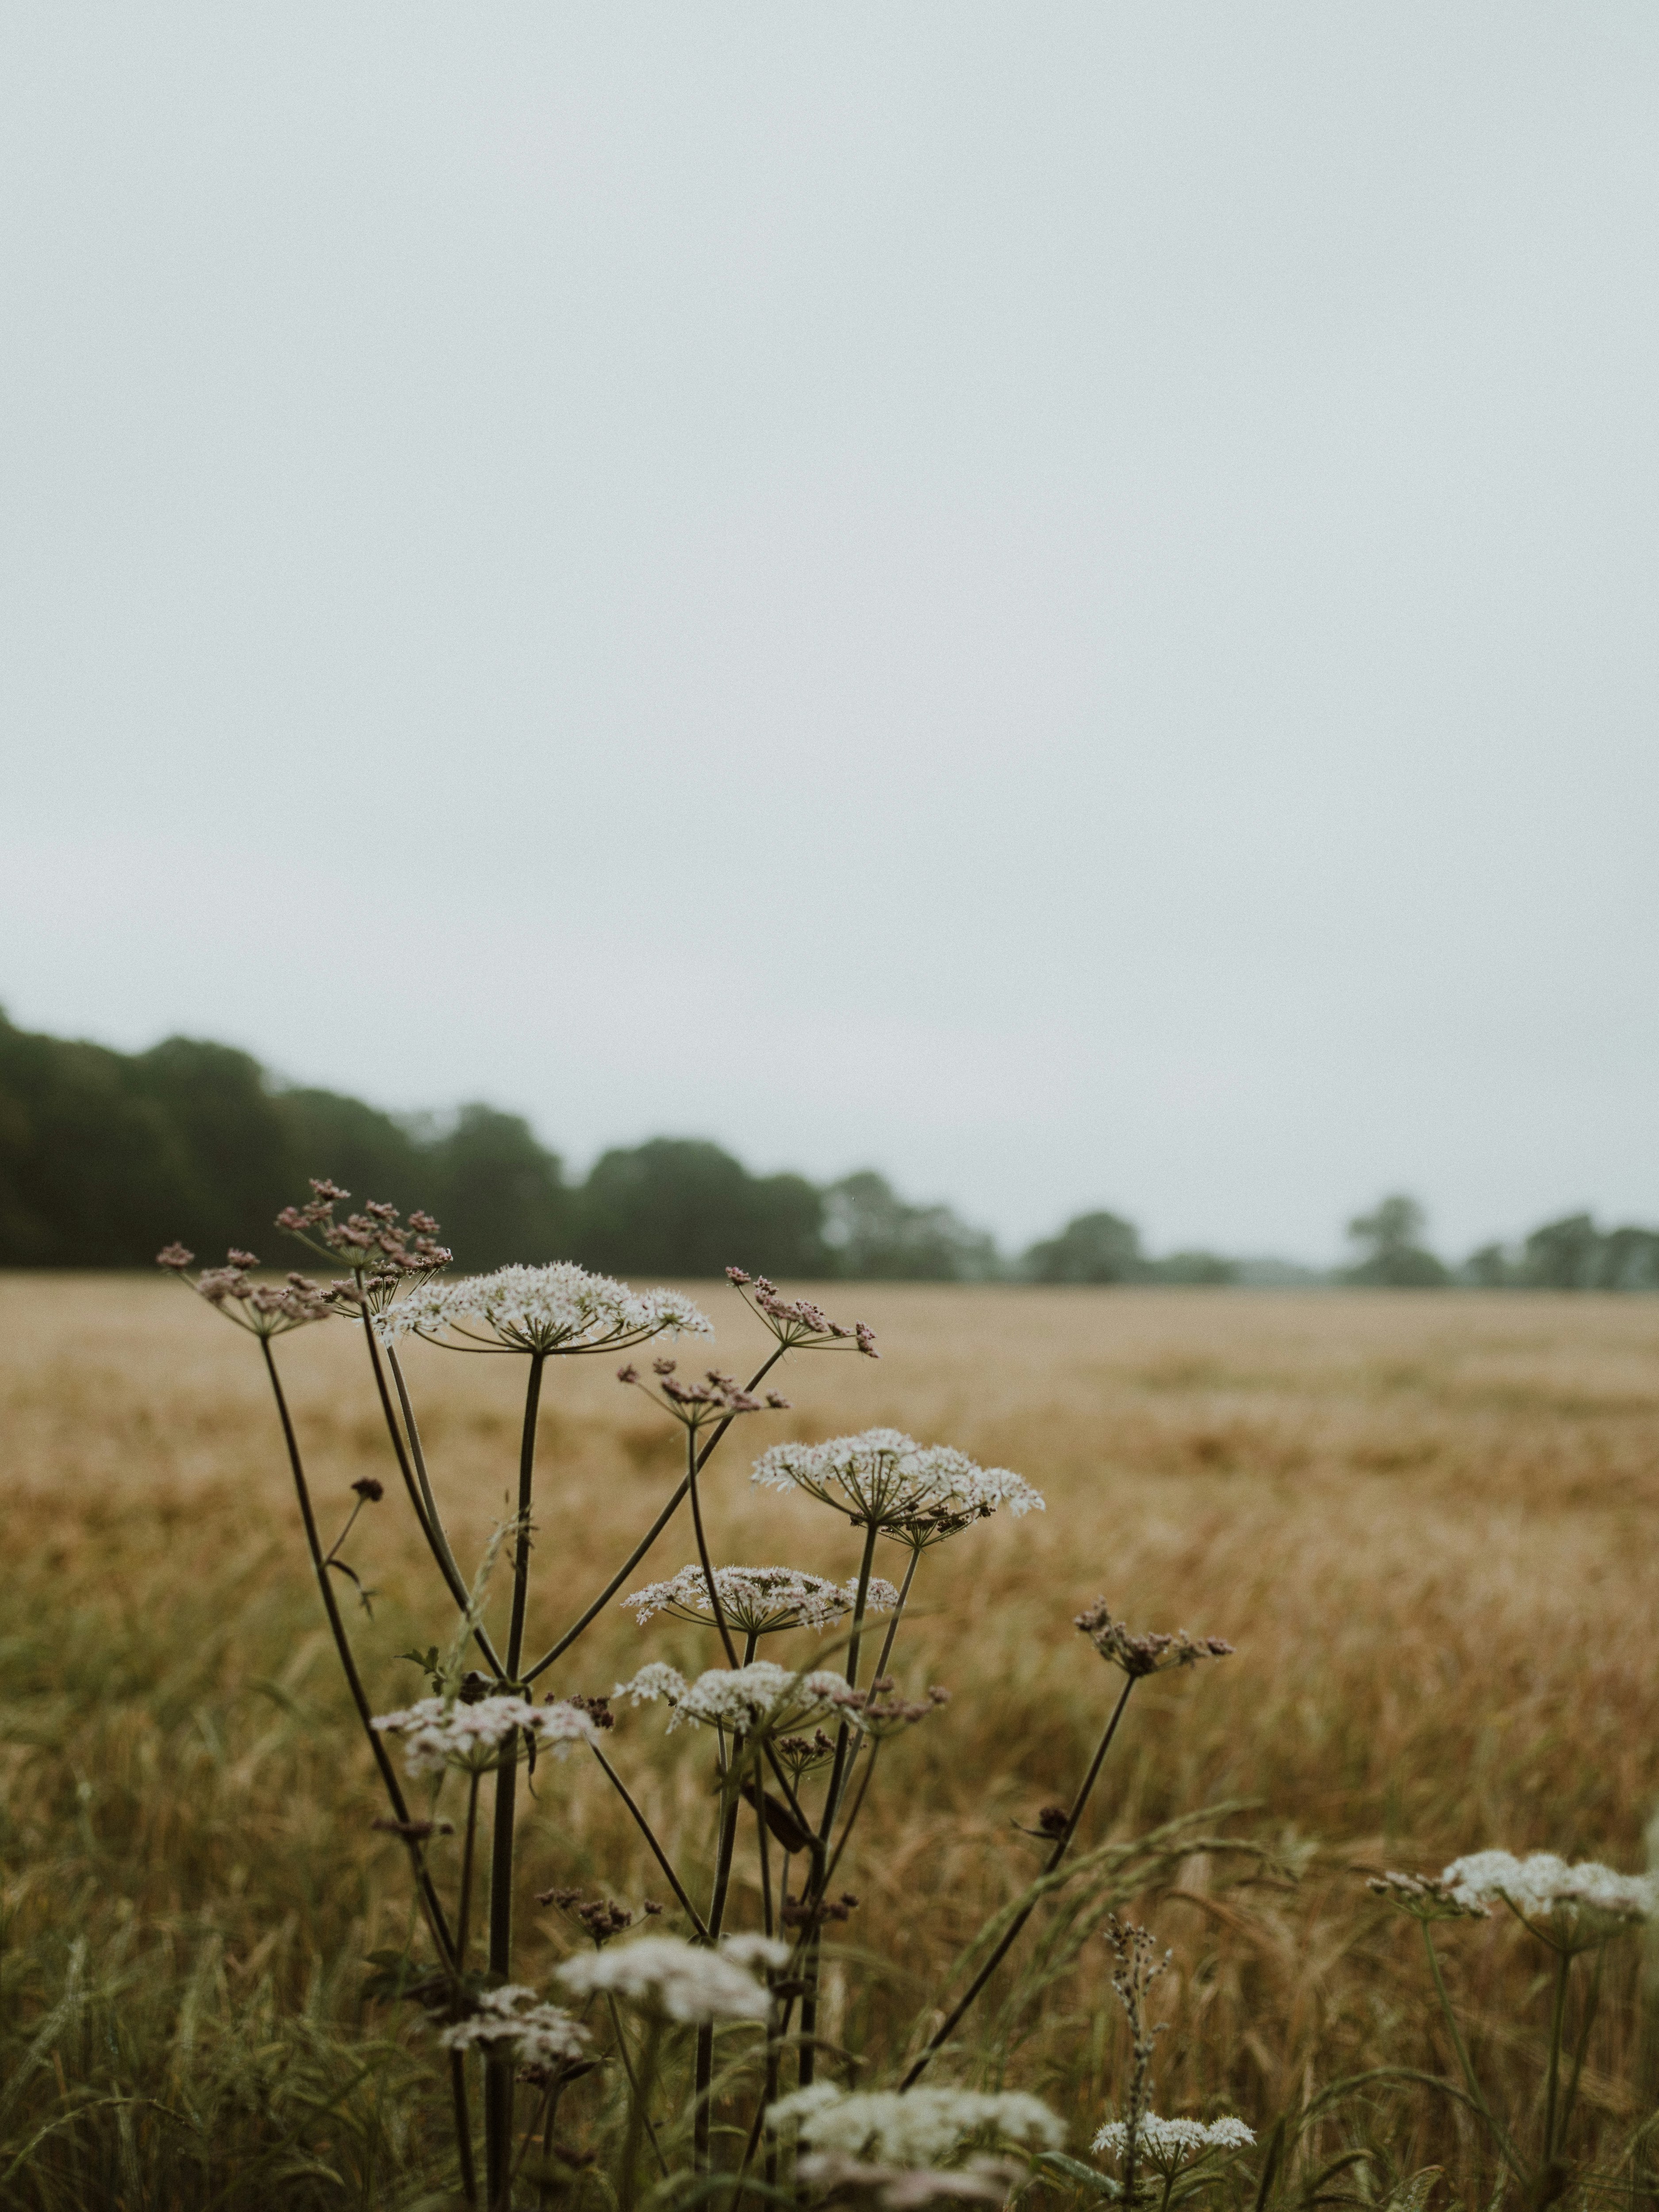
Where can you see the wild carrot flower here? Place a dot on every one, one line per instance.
(556, 1309)
(383, 1256)
(1167, 2145)
(263, 1308)
(759, 1601)
(714, 1397)
(915, 1492)
(912, 2127)
(758, 1696)
(797, 1324)
(1424, 1896)
(1571, 1908)
(1146, 1655)
(514, 2020)
(671, 1979)
(475, 1738)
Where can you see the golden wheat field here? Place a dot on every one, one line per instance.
(1427, 1521)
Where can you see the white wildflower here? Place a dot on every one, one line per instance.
(982, 2180)
(475, 1738)
(513, 2019)
(755, 1951)
(1167, 2145)
(1573, 1907)
(556, 1309)
(759, 1601)
(885, 1478)
(673, 1979)
(760, 1695)
(912, 2127)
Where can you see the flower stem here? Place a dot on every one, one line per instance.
(1553, 2077)
(641, 2089)
(658, 1852)
(1061, 1846)
(1476, 2094)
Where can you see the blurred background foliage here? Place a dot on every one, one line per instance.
(106, 1156)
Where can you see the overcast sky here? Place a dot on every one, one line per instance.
(1059, 600)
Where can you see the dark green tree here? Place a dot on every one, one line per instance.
(1093, 1248)
(680, 1206)
(500, 1194)
(875, 1235)
(1564, 1256)
(1395, 1260)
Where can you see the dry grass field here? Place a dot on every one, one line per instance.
(1427, 1521)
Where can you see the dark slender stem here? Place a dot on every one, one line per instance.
(658, 1853)
(703, 2070)
(436, 1919)
(634, 2087)
(411, 1429)
(458, 1589)
(463, 1911)
(764, 1844)
(1477, 2095)
(693, 1469)
(499, 2072)
(463, 2126)
(580, 1626)
(898, 1610)
(1009, 1935)
(1553, 2077)
(1591, 2004)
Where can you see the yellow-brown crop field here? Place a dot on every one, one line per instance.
(1429, 1523)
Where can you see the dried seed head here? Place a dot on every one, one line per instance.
(1146, 1655)
(369, 1490)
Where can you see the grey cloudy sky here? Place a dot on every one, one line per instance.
(1057, 598)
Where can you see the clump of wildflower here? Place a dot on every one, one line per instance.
(1571, 1908)
(385, 1255)
(476, 1735)
(1137, 1967)
(716, 1397)
(1424, 1896)
(512, 2022)
(981, 2180)
(1167, 2146)
(1146, 1655)
(674, 1980)
(759, 1601)
(263, 1308)
(917, 1493)
(912, 2127)
(797, 1324)
(761, 1695)
(558, 1308)
(801, 1754)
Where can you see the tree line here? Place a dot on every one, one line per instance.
(106, 1156)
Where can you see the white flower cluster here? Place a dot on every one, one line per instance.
(1583, 1904)
(885, 1478)
(561, 1308)
(760, 1694)
(533, 2033)
(912, 2127)
(676, 1980)
(1167, 2145)
(473, 1738)
(759, 1600)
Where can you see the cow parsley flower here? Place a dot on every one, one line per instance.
(556, 1309)
(760, 1695)
(759, 1601)
(673, 1979)
(912, 2127)
(489, 1733)
(1167, 2145)
(1571, 1908)
(511, 2021)
(264, 1310)
(917, 1493)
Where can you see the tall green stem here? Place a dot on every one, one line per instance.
(1477, 2095)
(1553, 2076)
(703, 2072)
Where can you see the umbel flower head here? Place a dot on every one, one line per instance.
(797, 1324)
(917, 1493)
(1146, 1655)
(759, 1601)
(556, 1309)
(1426, 1897)
(512, 2022)
(262, 1309)
(1167, 2146)
(1571, 1908)
(489, 1732)
(912, 2127)
(761, 1695)
(714, 1397)
(670, 1979)
(383, 1255)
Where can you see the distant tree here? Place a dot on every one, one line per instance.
(1564, 1256)
(1395, 1260)
(1629, 1260)
(875, 1235)
(1094, 1248)
(1489, 1269)
(370, 1153)
(499, 1193)
(680, 1206)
